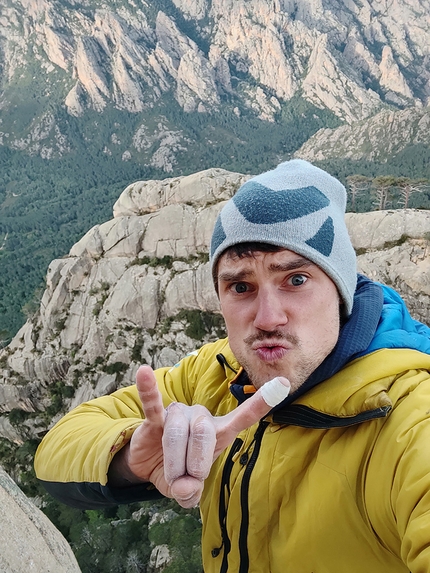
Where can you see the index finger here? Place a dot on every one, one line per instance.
(256, 407)
(150, 396)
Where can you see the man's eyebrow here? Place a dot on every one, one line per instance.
(234, 276)
(242, 275)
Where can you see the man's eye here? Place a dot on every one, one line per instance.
(240, 287)
(298, 280)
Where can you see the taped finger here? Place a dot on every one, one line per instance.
(175, 443)
(253, 409)
(201, 447)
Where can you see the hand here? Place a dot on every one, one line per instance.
(174, 448)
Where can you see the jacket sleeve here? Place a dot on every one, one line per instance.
(398, 478)
(73, 458)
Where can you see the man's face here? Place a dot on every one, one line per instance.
(281, 313)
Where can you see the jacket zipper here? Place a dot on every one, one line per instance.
(249, 461)
(222, 512)
(244, 497)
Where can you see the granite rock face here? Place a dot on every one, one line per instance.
(358, 62)
(29, 543)
(393, 247)
(348, 57)
(137, 289)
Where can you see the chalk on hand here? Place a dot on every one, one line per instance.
(275, 391)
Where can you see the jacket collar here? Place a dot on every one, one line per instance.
(363, 390)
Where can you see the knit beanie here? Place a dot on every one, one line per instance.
(296, 206)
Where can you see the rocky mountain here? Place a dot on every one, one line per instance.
(172, 87)
(352, 58)
(137, 289)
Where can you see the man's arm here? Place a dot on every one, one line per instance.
(172, 449)
(397, 490)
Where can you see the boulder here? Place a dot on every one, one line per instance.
(29, 542)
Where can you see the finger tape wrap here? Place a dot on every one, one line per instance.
(274, 392)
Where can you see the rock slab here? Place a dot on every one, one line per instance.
(29, 542)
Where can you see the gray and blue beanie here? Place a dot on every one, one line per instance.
(296, 206)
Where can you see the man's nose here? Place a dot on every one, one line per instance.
(270, 311)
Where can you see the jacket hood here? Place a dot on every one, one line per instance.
(396, 328)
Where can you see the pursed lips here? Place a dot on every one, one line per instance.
(271, 350)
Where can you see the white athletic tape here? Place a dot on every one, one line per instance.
(274, 392)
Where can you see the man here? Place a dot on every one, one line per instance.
(333, 477)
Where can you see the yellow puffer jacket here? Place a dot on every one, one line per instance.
(337, 483)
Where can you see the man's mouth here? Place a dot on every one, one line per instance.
(270, 351)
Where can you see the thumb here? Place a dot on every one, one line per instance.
(251, 411)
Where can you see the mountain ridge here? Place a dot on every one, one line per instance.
(351, 59)
(354, 60)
